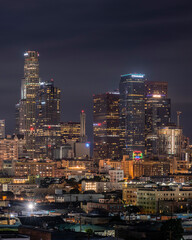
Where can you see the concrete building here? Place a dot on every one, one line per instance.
(2, 128)
(110, 205)
(18, 188)
(33, 168)
(138, 168)
(116, 175)
(82, 150)
(100, 187)
(148, 198)
(77, 197)
(8, 149)
(170, 140)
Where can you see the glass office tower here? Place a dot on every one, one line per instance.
(132, 114)
(27, 106)
(48, 129)
(106, 125)
(157, 112)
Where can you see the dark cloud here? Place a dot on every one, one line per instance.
(85, 46)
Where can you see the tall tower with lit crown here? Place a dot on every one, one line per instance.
(132, 113)
(27, 106)
(30, 87)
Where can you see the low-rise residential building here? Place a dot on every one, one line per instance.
(134, 168)
(77, 197)
(108, 204)
(40, 168)
(130, 195)
(17, 188)
(116, 175)
(149, 195)
(100, 187)
(149, 198)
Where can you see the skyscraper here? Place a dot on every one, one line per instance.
(157, 112)
(170, 140)
(48, 130)
(83, 137)
(156, 88)
(48, 104)
(2, 128)
(70, 131)
(27, 105)
(132, 114)
(30, 87)
(106, 125)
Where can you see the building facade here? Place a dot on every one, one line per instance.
(70, 131)
(47, 131)
(157, 113)
(106, 125)
(27, 105)
(170, 140)
(2, 128)
(30, 168)
(8, 150)
(132, 113)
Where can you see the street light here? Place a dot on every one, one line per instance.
(31, 206)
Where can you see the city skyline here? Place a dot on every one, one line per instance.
(90, 111)
(95, 123)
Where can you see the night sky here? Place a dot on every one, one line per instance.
(85, 45)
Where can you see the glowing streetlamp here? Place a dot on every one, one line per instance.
(31, 206)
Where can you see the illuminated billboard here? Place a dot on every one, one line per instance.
(137, 155)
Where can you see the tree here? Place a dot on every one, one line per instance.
(89, 232)
(172, 230)
(74, 191)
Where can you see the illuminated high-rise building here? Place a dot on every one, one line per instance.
(132, 114)
(156, 88)
(2, 128)
(30, 87)
(70, 132)
(157, 113)
(170, 140)
(48, 104)
(27, 105)
(106, 125)
(47, 139)
(83, 137)
(47, 131)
